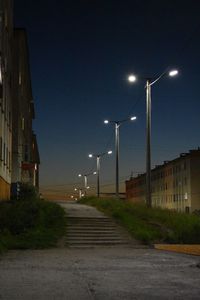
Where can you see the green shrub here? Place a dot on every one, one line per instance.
(32, 223)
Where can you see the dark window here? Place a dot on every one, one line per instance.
(1, 152)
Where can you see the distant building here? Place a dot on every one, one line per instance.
(175, 184)
(25, 155)
(6, 35)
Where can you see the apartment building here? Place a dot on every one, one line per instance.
(25, 155)
(174, 184)
(6, 35)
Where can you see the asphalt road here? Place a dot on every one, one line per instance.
(102, 273)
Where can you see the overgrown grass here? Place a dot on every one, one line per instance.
(153, 225)
(30, 223)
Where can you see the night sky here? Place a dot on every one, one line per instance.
(81, 53)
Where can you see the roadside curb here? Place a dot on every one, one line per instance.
(187, 249)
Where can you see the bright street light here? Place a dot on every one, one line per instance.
(98, 157)
(173, 73)
(149, 83)
(117, 125)
(132, 78)
(133, 118)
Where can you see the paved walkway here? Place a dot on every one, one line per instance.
(188, 249)
(103, 273)
(98, 274)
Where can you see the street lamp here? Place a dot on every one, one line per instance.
(117, 125)
(98, 157)
(79, 190)
(86, 179)
(149, 83)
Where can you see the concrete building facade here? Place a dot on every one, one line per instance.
(174, 185)
(25, 155)
(6, 42)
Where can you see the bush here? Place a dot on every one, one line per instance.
(30, 222)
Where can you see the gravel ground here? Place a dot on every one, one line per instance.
(101, 273)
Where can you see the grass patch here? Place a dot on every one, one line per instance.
(30, 223)
(153, 225)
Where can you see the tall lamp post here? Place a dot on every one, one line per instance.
(85, 176)
(117, 125)
(149, 83)
(98, 157)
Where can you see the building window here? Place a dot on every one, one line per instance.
(23, 123)
(185, 181)
(26, 152)
(20, 78)
(174, 196)
(9, 161)
(6, 19)
(4, 153)
(1, 152)
(7, 157)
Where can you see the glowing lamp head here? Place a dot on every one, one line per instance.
(110, 152)
(94, 173)
(106, 121)
(79, 175)
(173, 73)
(90, 155)
(75, 189)
(133, 118)
(131, 78)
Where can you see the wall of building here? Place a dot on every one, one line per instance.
(6, 34)
(174, 185)
(25, 161)
(195, 180)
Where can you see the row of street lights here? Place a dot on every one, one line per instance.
(98, 158)
(117, 125)
(85, 176)
(149, 83)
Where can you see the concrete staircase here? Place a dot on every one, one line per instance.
(94, 231)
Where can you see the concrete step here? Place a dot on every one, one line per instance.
(106, 234)
(98, 243)
(90, 232)
(98, 238)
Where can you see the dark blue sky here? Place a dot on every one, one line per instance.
(81, 53)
